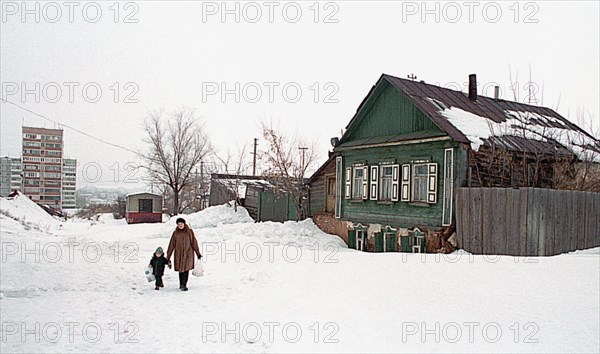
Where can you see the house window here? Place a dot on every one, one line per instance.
(357, 183)
(420, 176)
(385, 183)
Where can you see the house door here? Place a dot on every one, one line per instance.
(330, 194)
(145, 206)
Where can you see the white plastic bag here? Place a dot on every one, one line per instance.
(198, 269)
(149, 274)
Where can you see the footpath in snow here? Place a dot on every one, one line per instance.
(278, 287)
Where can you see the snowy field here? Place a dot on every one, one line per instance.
(78, 286)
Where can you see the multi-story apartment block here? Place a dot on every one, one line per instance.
(42, 165)
(10, 175)
(69, 176)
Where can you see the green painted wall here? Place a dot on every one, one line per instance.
(401, 214)
(389, 112)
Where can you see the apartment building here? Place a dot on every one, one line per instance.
(69, 176)
(10, 175)
(42, 165)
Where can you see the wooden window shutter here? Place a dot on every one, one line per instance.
(395, 182)
(348, 191)
(365, 183)
(374, 177)
(432, 183)
(338, 186)
(405, 185)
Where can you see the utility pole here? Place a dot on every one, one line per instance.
(201, 185)
(196, 188)
(413, 77)
(254, 157)
(303, 149)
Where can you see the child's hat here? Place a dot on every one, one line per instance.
(180, 220)
(159, 250)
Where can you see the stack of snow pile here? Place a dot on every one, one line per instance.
(214, 216)
(304, 234)
(28, 213)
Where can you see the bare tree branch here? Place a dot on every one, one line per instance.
(176, 146)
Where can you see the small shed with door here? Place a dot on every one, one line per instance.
(143, 207)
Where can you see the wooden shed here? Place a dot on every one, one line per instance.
(143, 207)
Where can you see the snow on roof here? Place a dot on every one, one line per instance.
(138, 193)
(529, 125)
(242, 184)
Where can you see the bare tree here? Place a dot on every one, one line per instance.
(286, 161)
(236, 169)
(177, 144)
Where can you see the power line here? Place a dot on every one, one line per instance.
(70, 127)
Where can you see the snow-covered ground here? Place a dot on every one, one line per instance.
(271, 287)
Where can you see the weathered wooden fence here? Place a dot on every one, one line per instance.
(526, 221)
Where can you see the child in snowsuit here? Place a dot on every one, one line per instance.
(158, 263)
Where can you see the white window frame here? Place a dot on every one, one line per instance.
(391, 182)
(431, 181)
(448, 187)
(374, 182)
(363, 187)
(338, 181)
(405, 191)
(348, 179)
(425, 178)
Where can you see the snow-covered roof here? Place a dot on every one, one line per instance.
(139, 193)
(242, 184)
(526, 125)
(510, 124)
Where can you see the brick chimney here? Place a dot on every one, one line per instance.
(473, 87)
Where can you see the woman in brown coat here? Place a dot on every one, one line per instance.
(184, 244)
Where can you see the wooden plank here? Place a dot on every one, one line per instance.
(580, 219)
(550, 223)
(570, 218)
(469, 194)
(543, 222)
(584, 220)
(500, 225)
(533, 212)
(478, 218)
(459, 210)
(575, 221)
(560, 220)
(510, 222)
(557, 209)
(597, 217)
(523, 220)
(475, 220)
(488, 211)
(565, 207)
(515, 209)
(557, 232)
(467, 222)
(590, 220)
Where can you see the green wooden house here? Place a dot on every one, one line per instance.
(407, 149)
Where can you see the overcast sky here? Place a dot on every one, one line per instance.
(302, 65)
